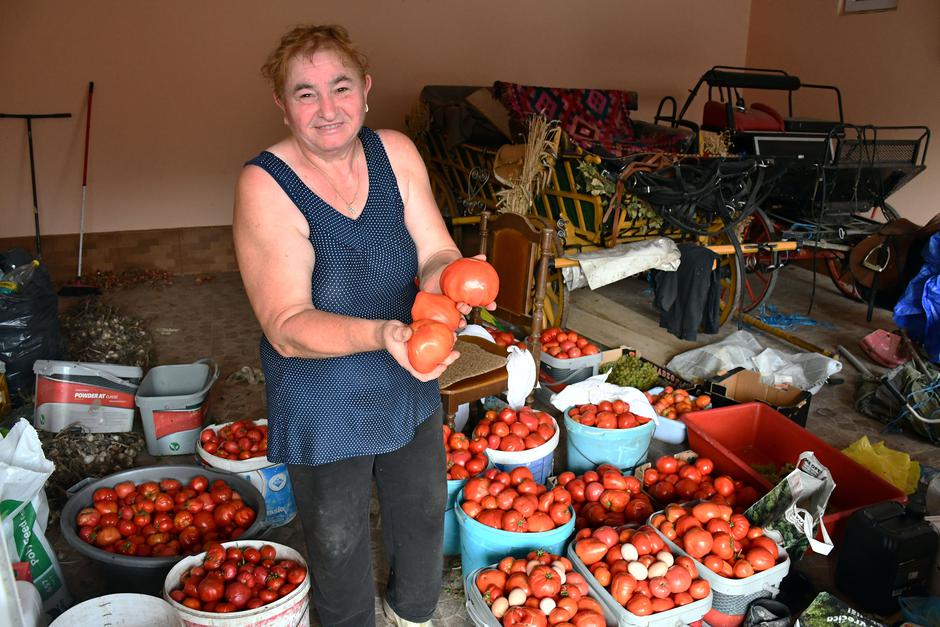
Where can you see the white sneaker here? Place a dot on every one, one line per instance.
(397, 620)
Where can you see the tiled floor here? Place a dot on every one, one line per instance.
(213, 319)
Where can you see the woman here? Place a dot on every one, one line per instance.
(332, 226)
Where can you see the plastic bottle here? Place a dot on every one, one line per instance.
(14, 280)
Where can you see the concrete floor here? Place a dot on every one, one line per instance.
(213, 319)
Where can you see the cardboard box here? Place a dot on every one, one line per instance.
(743, 386)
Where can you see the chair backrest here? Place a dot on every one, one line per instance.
(520, 252)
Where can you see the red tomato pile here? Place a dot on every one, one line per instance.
(606, 497)
(639, 571)
(537, 591)
(234, 579)
(513, 431)
(161, 519)
(504, 338)
(673, 403)
(242, 439)
(724, 542)
(513, 501)
(607, 415)
(563, 344)
(672, 480)
(464, 458)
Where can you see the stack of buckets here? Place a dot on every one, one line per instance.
(271, 480)
(481, 545)
(173, 402)
(589, 447)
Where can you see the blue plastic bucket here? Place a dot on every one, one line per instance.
(451, 530)
(539, 459)
(481, 545)
(589, 447)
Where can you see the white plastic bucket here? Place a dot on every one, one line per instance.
(99, 396)
(290, 611)
(272, 480)
(173, 402)
(120, 610)
(539, 459)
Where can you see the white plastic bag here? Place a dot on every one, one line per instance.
(806, 371)
(596, 389)
(522, 376)
(24, 513)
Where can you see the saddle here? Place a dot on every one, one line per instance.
(889, 249)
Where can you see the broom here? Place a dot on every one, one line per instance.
(76, 287)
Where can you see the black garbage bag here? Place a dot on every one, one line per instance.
(29, 326)
(767, 613)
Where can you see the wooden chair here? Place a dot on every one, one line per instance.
(520, 252)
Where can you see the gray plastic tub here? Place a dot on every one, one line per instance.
(128, 573)
(173, 402)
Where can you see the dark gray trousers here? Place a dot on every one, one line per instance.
(333, 506)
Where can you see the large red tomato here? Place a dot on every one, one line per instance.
(438, 307)
(431, 342)
(524, 617)
(470, 281)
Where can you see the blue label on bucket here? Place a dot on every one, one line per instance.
(274, 484)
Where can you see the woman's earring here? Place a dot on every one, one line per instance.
(367, 107)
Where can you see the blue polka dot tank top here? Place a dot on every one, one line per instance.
(324, 410)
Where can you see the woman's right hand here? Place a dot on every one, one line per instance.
(395, 336)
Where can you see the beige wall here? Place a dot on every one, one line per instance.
(179, 103)
(887, 65)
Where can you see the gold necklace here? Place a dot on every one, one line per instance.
(349, 203)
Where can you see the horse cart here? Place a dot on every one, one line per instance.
(831, 179)
(759, 188)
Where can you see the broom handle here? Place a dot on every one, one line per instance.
(81, 221)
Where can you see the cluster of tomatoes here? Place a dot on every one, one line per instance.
(464, 458)
(242, 439)
(514, 430)
(504, 338)
(672, 403)
(671, 480)
(234, 579)
(436, 317)
(723, 541)
(605, 497)
(638, 570)
(165, 518)
(564, 344)
(606, 415)
(538, 591)
(513, 501)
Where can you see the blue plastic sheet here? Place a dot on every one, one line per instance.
(918, 310)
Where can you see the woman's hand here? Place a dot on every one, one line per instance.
(395, 336)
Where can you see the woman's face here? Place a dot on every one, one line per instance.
(324, 101)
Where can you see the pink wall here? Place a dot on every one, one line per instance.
(179, 103)
(887, 65)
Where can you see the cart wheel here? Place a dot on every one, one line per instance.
(556, 301)
(759, 282)
(842, 278)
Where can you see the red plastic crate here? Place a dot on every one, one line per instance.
(754, 433)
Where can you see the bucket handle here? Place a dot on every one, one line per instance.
(213, 368)
(75, 489)
(113, 378)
